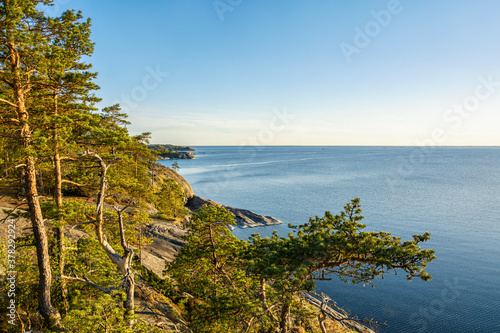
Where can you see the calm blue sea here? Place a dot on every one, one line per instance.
(454, 193)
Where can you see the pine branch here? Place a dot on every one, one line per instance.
(82, 223)
(24, 245)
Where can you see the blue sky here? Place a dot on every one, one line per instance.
(295, 72)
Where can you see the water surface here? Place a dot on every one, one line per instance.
(452, 192)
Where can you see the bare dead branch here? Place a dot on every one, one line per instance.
(8, 121)
(67, 158)
(325, 304)
(74, 183)
(11, 211)
(85, 280)
(8, 102)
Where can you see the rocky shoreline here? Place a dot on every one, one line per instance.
(244, 218)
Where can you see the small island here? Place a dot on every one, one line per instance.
(173, 152)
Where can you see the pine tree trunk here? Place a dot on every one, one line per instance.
(130, 289)
(123, 263)
(58, 198)
(140, 245)
(57, 180)
(60, 235)
(126, 262)
(22, 177)
(39, 179)
(136, 171)
(49, 313)
(62, 282)
(285, 313)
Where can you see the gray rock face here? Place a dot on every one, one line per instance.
(195, 202)
(248, 219)
(167, 242)
(244, 218)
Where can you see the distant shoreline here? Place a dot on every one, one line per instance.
(173, 152)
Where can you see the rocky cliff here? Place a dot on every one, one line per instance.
(162, 172)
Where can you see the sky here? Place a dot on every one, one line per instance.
(295, 72)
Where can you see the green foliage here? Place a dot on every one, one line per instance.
(70, 213)
(334, 246)
(165, 286)
(103, 315)
(89, 260)
(208, 268)
(171, 151)
(170, 200)
(110, 130)
(132, 221)
(253, 286)
(337, 245)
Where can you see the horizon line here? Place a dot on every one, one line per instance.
(232, 145)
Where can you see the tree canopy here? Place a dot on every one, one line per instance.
(259, 280)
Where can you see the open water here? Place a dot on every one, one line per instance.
(452, 192)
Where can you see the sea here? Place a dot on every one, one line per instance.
(451, 192)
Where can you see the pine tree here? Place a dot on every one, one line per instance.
(208, 268)
(25, 39)
(333, 246)
(68, 87)
(46, 90)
